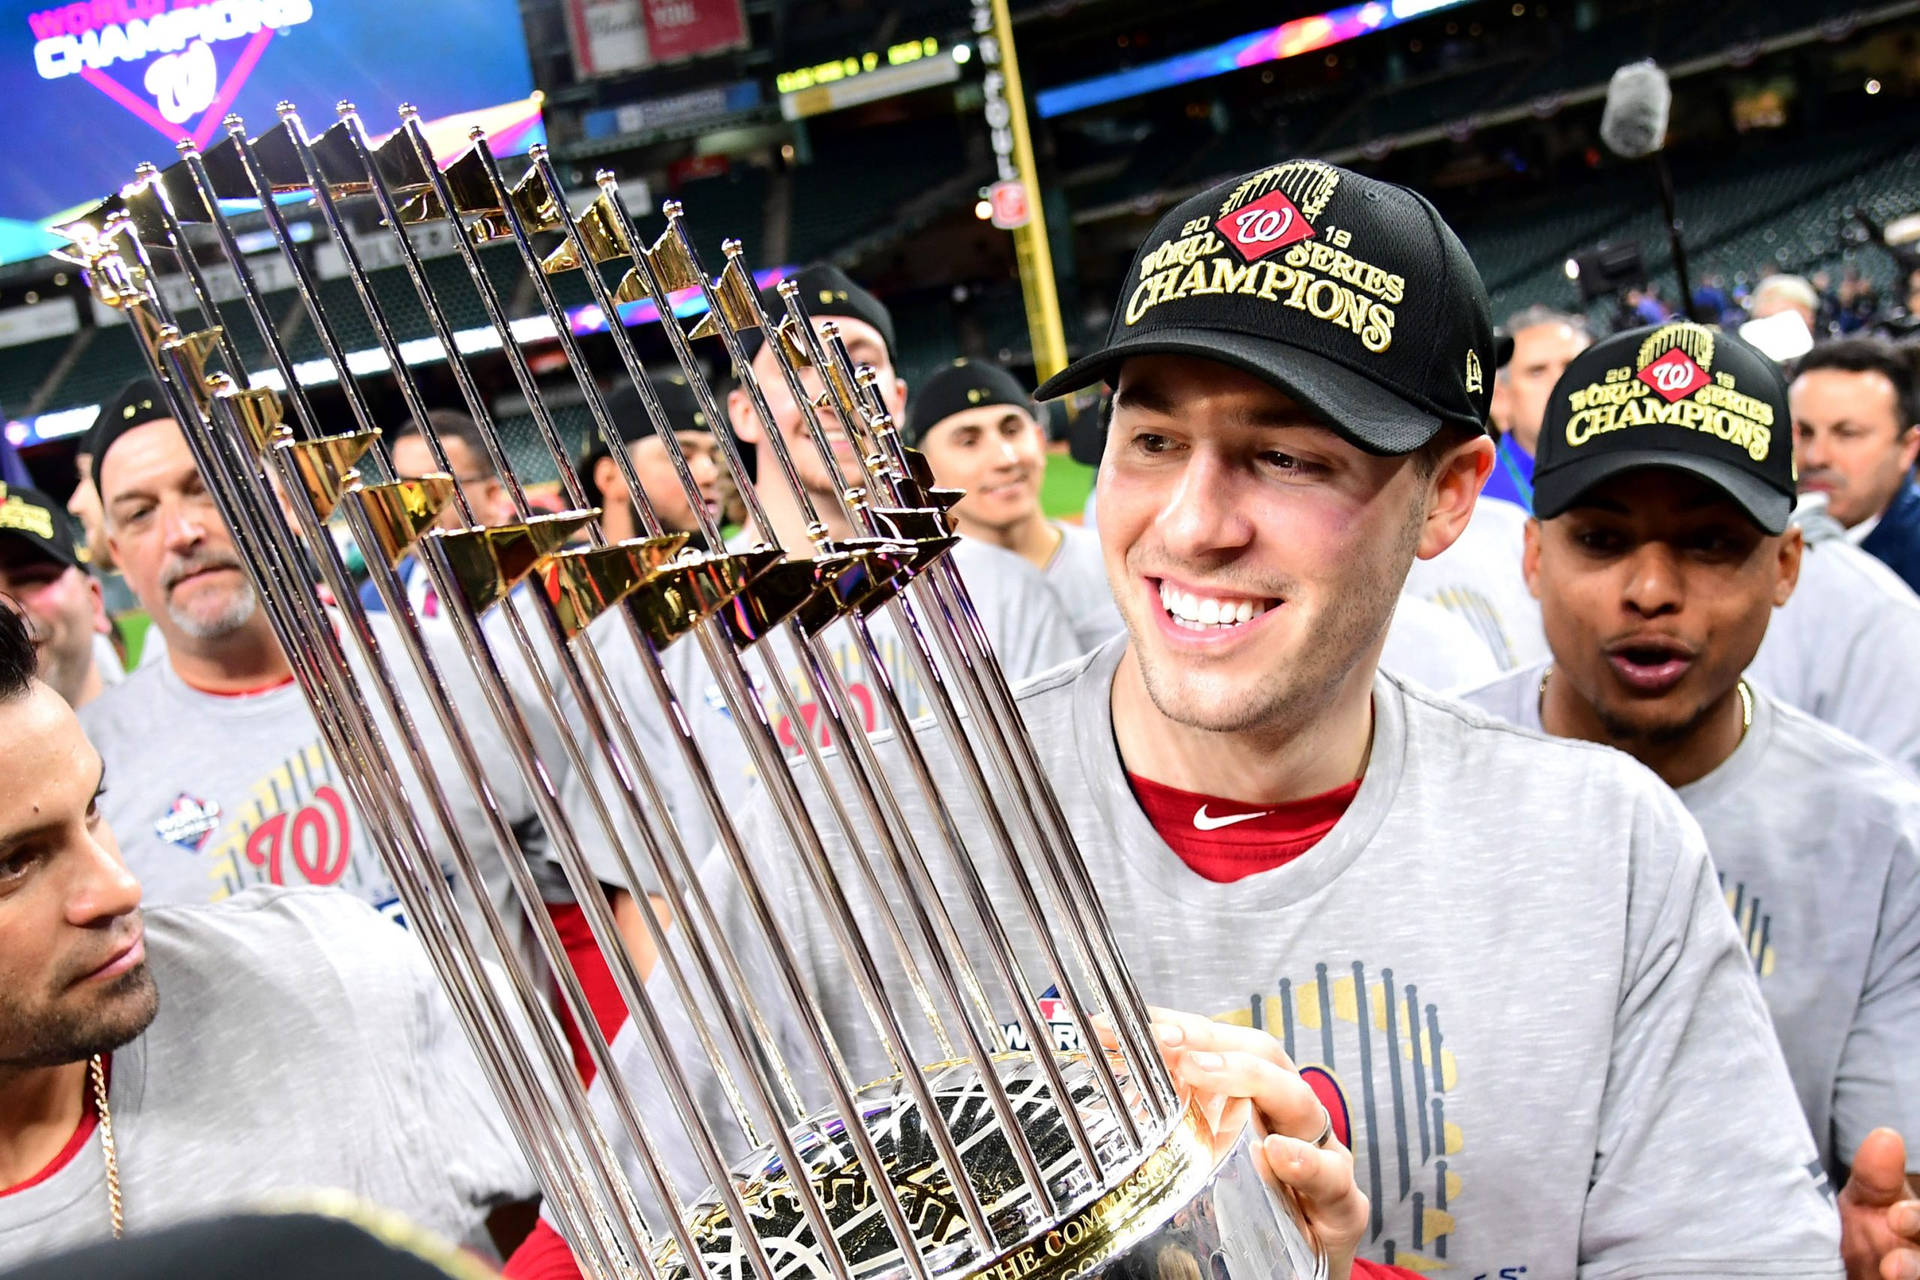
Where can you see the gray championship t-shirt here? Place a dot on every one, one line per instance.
(1547, 1032)
(1479, 577)
(1817, 841)
(209, 795)
(1078, 574)
(1024, 621)
(1844, 648)
(301, 1045)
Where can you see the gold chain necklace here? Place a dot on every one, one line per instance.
(97, 1073)
(1746, 701)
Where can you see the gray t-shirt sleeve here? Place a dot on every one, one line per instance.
(1878, 1082)
(1023, 616)
(461, 1134)
(1691, 1031)
(1841, 650)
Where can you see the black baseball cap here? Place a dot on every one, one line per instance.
(962, 385)
(827, 292)
(36, 519)
(139, 402)
(630, 418)
(1678, 395)
(371, 1245)
(1349, 294)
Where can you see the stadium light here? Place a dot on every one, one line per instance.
(962, 53)
(1873, 87)
(1573, 268)
(1288, 40)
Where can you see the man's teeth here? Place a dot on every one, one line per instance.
(1190, 610)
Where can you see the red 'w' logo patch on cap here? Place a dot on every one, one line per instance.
(1674, 376)
(1264, 226)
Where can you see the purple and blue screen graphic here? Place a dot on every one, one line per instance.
(98, 86)
(687, 302)
(1289, 39)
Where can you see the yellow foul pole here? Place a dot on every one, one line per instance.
(1006, 107)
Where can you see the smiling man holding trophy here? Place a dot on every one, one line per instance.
(900, 1022)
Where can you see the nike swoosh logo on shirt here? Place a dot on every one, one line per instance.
(1203, 822)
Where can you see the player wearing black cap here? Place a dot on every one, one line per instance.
(1660, 550)
(1023, 617)
(1542, 1037)
(41, 569)
(977, 427)
(601, 477)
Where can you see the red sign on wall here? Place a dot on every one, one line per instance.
(611, 36)
(688, 28)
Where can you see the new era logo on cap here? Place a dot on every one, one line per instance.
(1266, 226)
(1674, 376)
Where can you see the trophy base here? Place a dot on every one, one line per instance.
(1192, 1207)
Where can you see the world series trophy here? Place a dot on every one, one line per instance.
(974, 1159)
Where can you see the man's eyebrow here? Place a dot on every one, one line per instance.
(13, 840)
(128, 495)
(1144, 396)
(1611, 506)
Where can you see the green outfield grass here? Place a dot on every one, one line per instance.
(1064, 490)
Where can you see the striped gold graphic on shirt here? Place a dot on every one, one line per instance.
(1396, 1073)
(1754, 921)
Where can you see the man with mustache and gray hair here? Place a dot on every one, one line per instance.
(217, 777)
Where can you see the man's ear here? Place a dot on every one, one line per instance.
(899, 406)
(1793, 545)
(1500, 408)
(102, 624)
(1909, 453)
(1452, 490)
(608, 480)
(1530, 559)
(746, 425)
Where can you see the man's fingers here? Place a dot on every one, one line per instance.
(1879, 1174)
(1176, 1030)
(1900, 1264)
(1284, 1101)
(1323, 1179)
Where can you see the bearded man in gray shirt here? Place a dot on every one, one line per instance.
(1541, 1037)
(186, 1062)
(1659, 551)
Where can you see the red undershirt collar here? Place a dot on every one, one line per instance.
(255, 692)
(89, 1121)
(1225, 840)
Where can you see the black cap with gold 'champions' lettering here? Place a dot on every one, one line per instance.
(1673, 395)
(1350, 295)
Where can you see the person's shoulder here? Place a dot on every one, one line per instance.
(1837, 762)
(279, 935)
(1058, 683)
(1078, 538)
(1836, 571)
(271, 909)
(1499, 514)
(980, 559)
(1480, 739)
(134, 700)
(1503, 694)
